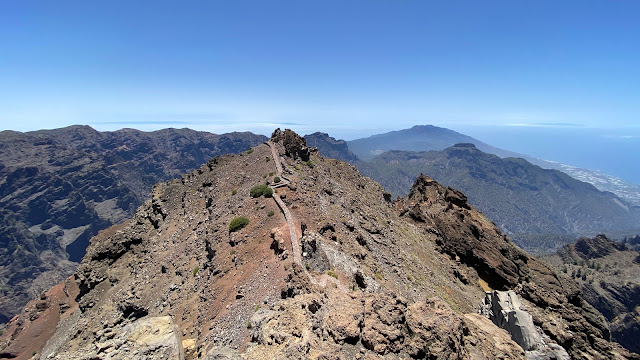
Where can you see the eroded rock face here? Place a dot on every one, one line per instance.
(341, 326)
(150, 338)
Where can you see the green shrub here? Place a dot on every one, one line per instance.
(260, 190)
(310, 164)
(234, 191)
(238, 223)
(267, 159)
(276, 179)
(270, 213)
(195, 270)
(249, 151)
(333, 274)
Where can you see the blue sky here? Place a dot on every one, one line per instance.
(350, 68)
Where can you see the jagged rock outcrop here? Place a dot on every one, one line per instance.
(294, 145)
(385, 280)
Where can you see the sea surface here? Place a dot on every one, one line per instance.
(612, 151)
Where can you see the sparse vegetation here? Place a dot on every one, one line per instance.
(260, 190)
(238, 223)
(332, 274)
(276, 179)
(234, 191)
(310, 164)
(195, 270)
(270, 213)
(378, 276)
(306, 265)
(267, 159)
(249, 151)
(271, 174)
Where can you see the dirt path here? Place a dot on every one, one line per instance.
(296, 247)
(295, 242)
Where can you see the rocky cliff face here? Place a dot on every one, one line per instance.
(609, 276)
(58, 188)
(324, 268)
(331, 148)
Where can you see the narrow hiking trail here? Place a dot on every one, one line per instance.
(296, 247)
(293, 231)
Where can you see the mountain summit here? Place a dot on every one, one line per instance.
(281, 253)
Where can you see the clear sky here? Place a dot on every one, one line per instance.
(351, 68)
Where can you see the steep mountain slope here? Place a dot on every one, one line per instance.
(326, 268)
(609, 275)
(428, 137)
(330, 147)
(59, 187)
(523, 199)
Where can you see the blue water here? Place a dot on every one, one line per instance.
(614, 151)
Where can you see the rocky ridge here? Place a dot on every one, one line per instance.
(374, 279)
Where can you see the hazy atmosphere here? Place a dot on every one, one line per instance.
(507, 73)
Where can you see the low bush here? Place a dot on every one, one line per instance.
(238, 223)
(276, 179)
(260, 190)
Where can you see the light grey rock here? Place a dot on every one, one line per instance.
(505, 310)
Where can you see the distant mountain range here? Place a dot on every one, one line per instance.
(58, 188)
(541, 209)
(429, 137)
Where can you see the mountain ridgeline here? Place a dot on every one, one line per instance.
(58, 188)
(433, 138)
(541, 209)
(324, 266)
